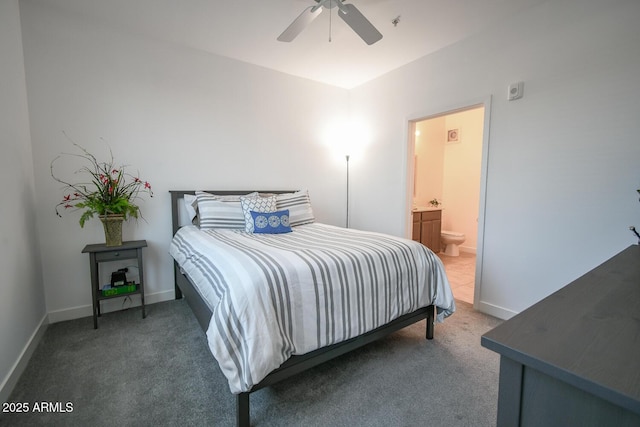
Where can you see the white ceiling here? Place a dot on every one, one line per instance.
(247, 30)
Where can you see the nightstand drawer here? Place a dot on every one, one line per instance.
(115, 255)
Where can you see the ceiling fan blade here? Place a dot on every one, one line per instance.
(361, 25)
(300, 23)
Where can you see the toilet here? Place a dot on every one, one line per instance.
(450, 241)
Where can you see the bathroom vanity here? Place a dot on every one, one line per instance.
(427, 223)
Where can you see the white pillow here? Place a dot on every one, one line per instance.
(217, 211)
(265, 204)
(299, 205)
(191, 204)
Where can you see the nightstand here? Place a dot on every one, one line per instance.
(102, 253)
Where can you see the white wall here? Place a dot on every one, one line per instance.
(22, 308)
(461, 189)
(183, 118)
(562, 161)
(429, 153)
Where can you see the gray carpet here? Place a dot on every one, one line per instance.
(159, 372)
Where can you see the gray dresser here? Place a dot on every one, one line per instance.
(573, 359)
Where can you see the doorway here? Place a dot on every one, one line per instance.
(447, 153)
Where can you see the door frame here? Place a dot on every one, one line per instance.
(410, 168)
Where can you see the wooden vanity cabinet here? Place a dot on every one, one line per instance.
(426, 228)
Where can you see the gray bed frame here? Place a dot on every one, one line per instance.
(295, 364)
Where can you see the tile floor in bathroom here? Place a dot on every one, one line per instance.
(461, 271)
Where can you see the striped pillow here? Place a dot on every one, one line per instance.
(299, 206)
(217, 211)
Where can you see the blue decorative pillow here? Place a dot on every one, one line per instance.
(271, 222)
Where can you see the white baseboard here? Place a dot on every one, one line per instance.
(467, 249)
(10, 381)
(108, 306)
(494, 310)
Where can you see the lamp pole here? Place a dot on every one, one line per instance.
(347, 158)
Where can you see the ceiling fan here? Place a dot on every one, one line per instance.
(349, 14)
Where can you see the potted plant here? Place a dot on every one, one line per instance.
(104, 189)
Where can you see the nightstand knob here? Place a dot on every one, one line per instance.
(116, 254)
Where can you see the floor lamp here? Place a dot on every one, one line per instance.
(347, 158)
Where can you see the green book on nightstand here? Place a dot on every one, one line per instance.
(108, 290)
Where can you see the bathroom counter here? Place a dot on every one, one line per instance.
(425, 209)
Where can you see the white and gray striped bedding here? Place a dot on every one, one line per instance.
(276, 295)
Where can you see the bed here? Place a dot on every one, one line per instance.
(277, 301)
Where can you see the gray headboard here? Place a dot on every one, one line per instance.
(178, 195)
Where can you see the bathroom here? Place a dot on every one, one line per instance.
(448, 159)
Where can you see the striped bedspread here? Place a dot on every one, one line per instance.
(276, 295)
